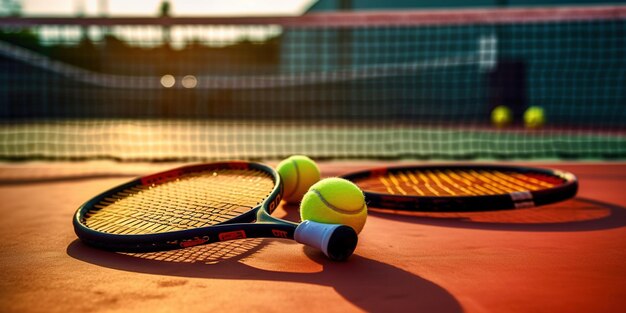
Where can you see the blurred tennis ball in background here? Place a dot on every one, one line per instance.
(501, 116)
(298, 173)
(335, 201)
(534, 117)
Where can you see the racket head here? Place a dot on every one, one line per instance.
(463, 188)
(159, 212)
(200, 204)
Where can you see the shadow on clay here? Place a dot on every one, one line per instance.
(578, 214)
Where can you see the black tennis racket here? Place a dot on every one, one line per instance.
(463, 188)
(200, 204)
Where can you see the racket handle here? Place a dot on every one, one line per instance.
(336, 241)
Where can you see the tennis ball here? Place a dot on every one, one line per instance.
(335, 201)
(501, 116)
(534, 117)
(298, 173)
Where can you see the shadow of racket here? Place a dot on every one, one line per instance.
(578, 214)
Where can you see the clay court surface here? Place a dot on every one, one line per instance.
(565, 257)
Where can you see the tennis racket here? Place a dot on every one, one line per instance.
(200, 204)
(463, 188)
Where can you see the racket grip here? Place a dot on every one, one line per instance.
(336, 241)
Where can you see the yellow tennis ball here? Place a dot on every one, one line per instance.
(335, 201)
(534, 117)
(501, 116)
(298, 173)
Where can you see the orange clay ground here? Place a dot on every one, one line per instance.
(566, 257)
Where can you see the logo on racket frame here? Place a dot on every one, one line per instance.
(274, 204)
(279, 233)
(193, 242)
(231, 235)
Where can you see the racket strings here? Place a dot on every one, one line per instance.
(193, 200)
(456, 182)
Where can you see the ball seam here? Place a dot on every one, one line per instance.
(297, 184)
(334, 208)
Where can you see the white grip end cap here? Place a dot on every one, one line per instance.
(315, 234)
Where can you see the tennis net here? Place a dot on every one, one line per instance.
(415, 84)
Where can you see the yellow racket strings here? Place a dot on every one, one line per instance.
(452, 183)
(193, 200)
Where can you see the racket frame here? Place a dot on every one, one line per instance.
(335, 241)
(238, 227)
(505, 201)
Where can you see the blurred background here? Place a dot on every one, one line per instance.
(195, 80)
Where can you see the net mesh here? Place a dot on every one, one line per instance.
(350, 85)
(194, 200)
